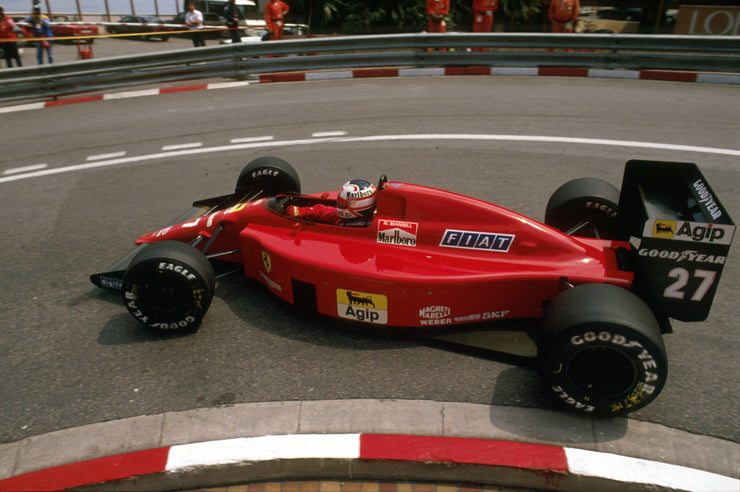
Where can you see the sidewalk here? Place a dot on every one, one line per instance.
(377, 441)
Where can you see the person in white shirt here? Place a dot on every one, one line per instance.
(194, 21)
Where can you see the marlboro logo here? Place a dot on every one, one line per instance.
(397, 232)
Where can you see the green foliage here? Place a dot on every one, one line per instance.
(519, 9)
(397, 15)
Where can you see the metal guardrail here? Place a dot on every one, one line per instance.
(239, 61)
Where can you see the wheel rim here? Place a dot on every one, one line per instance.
(165, 298)
(602, 371)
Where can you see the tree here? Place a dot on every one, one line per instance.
(519, 9)
(321, 12)
(394, 15)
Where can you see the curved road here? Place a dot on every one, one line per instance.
(81, 182)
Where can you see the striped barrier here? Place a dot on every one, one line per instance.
(543, 464)
(658, 75)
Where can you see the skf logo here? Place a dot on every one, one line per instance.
(697, 232)
(266, 261)
(664, 228)
(362, 306)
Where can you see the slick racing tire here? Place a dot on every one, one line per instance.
(585, 207)
(168, 287)
(601, 351)
(267, 176)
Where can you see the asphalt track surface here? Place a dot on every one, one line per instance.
(70, 354)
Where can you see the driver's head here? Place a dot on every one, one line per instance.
(356, 199)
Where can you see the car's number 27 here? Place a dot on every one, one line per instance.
(682, 276)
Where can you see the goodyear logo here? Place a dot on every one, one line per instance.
(362, 306)
(488, 241)
(697, 232)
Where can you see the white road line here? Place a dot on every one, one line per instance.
(25, 169)
(100, 157)
(118, 159)
(251, 139)
(328, 134)
(191, 145)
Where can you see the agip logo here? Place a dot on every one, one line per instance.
(362, 306)
(697, 232)
(665, 229)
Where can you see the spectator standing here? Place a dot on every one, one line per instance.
(563, 14)
(41, 28)
(9, 47)
(231, 13)
(437, 12)
(194, 21)
(275, 11)
(483, 11)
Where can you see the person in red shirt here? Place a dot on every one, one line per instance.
(9, 46)
(355, 206)
(275, 11)
(437, 11)
(483, 16)
(563, 14)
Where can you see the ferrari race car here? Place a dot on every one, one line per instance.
(601, 276)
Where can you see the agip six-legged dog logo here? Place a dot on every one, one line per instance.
(362, 306)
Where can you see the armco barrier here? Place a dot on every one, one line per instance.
(238, 61)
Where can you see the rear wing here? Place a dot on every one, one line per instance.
(681, 234)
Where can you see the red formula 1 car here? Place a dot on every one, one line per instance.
(604, 284)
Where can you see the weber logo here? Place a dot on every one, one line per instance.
(698, 232)
(477, 240)
(397, 232)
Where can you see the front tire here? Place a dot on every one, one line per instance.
(168, 287)
(267, 176)
(601, 351)
(585, 207)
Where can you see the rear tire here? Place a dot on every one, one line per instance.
(585, 207)
(267, 176)
(168, 287)
(601, 351)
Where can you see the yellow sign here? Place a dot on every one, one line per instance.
(362, 306)
(664, 228)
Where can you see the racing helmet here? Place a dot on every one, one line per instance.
(356, 199)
